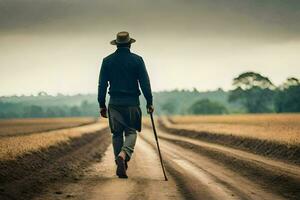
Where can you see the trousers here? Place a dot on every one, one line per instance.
(124, 122)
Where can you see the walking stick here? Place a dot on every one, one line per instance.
(156, 138)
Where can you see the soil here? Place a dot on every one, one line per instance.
(30, 174)
(195, 169)
(272, 149)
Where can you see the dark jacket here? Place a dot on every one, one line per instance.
(124, 71)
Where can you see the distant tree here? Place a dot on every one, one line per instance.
(89, 109)
(42, 93)
(249, 80)
(33, 111)
(50, 112)
(169, 107)
(288, 96)
(290, 82)
(205, 106)
(220, 90)
(62, 111)
(254, 91)
(75, 111)
(195, 90)
(57, 111)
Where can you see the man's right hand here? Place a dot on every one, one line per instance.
(103, 112)
(150, 109)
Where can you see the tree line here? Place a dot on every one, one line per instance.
(21, 110)
(259, 95)
(252, 93)
(255, 92)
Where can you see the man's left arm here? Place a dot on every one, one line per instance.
(145, 85)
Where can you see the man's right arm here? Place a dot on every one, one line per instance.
(102, 85)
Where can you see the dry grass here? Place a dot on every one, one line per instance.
(9, 127)
(283, 128)
(12, 147)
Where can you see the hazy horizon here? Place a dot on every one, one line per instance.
(74, 94)
(57, 46)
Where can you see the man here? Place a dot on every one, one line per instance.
(124, 72)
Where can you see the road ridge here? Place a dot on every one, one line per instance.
(284, 180)
(229, 182)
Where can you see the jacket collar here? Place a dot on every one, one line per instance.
(123, 49)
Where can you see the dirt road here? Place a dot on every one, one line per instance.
(192, 175)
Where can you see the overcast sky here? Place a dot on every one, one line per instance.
(57, 45)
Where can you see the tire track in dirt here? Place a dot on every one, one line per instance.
(191, 176)
(284, 178)
(289, 169)
(266, 148)
(205, 177)
(100, 182)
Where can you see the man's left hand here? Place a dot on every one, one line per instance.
(150, 109)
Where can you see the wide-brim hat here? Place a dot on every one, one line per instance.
(122, 38)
